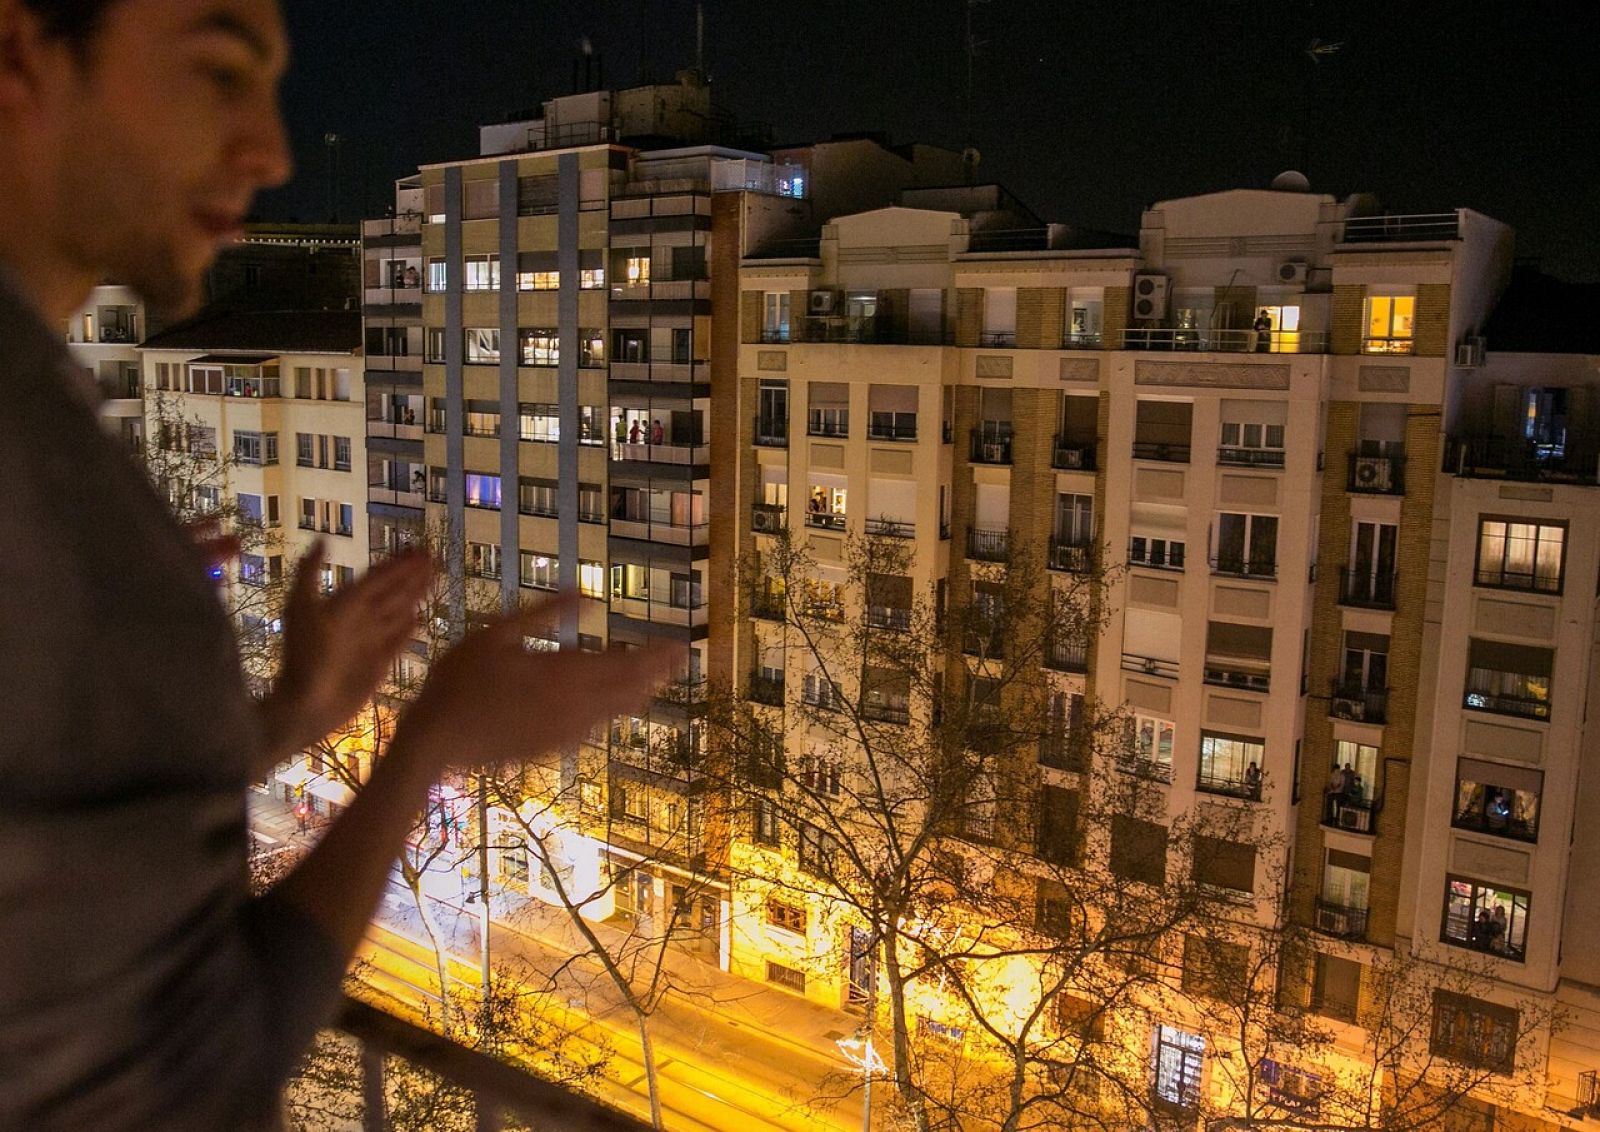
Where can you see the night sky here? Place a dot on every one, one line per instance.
(1087, 111)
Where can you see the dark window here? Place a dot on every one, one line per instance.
(1224, 864)
(1138, 850)
(1474, 1032)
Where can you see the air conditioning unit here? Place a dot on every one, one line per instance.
(1149, 296)
(1294, 271)
(1349, 817)
(1469, 352)
(821, 302)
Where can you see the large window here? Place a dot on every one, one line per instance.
(1474, 1032)
(1214, 968)
(539, 347)
(482, 273)
(1247, 545)
(1179, 1057)
(1508, 679)
(1231, 764)
(438, 274)
(1224, 864)
(1498, 799)
(483, 491)
(540, 423)
(817, 849)
(1390, 324)
(1138, 850)
(1150, 745)
(260, 448)
(482, 345)
(538, 571)
(775, 317)
(1485, 918)
(1517, 555)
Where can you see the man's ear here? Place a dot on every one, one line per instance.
(26, 52)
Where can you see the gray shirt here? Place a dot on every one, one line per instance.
(140, 984)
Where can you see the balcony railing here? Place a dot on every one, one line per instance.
(1149, 665)
(1235, 456)
(1245, 786)
(1377, 475)
(1365, 589)
(1060, 751)
(1353, 815)
(667, 289)
(984, 642)
(1073, 557)
(1526, 706)
(498, 1089)
(1358, 704)
(1067, 656)
(771, 432)
(1085, 341)
(889, 617)
(1071, 456)
(1341, 921)
(769, 606)
(1510, 826)
(1381, 345)
(1422, 226)
(986, 545)
(663, 370)
(671, 534)
(891, 528)
(1130, 762)
(1245, 567)
(397, 430)
(1162, 451)
(766, 689)
(1227, 674)
(1207, 340)
(886, 711)
(991, 445)
(1513, 458)
(826, 520)
(819, 425)
(768, 518)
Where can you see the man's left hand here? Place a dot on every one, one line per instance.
(337, 647)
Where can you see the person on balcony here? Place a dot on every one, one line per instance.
(1252, 779)
(1263, 332)
(146, 986)
(411, 279)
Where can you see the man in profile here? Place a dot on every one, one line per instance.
(141, 986)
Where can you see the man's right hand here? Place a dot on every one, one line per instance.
(491, 701)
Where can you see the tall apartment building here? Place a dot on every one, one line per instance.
(103, 336)
(542, 328)
(1250, 410)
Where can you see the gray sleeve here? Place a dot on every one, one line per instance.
(300, 974)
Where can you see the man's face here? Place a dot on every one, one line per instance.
(174, 126)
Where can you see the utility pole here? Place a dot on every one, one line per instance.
(483, 891)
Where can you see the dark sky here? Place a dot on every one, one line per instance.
(1087, 111)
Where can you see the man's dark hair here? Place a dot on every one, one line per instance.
(75, 21)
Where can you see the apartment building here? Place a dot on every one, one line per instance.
(103, 336)
(1248, 408)
(545, 315)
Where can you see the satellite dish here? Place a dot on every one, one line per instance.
(1291, 181)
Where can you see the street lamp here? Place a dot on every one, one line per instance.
(858, 1051)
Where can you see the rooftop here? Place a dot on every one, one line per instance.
(256, 332)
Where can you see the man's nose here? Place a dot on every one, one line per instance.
(263, 150)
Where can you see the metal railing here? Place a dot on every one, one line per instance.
(1225, 341)
(1341, 921)
(667, 370)
(987, 545)
(664, 453)
(771, 432)
(1396, 346)
(899, 430)
(835, 426)
(1072, 457)
(1233, 455)
(1353, 815)
(769, 606)
(1420, 226)
(1146, 555)
(1358, 704)
(498, 1088)
(1067, 656)
(1226, 675)
(1589, 1090)
(1245, 567)
(1073, 557)
(1366, 589)
(990, 445)
(1131, 763)
(1162, 451)
(889, 617)
(768, 518)
(1149, 665)
(1504, 703)
(885, 711)
(1244, 787)
(1377, 475)
(826, 520)
(891, 528)
(1059, 750)
(1087, 341)
(1514, 458)
(765, 690)
(1501, 578)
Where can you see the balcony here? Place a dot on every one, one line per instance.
(1426, 227)
(1341, 921)
(1067, 656)
(394, 430)
(662, 289)
(826, 520)
(1365, 589)
(1149, 665)
(768, 518)
(678, 454)
(1229, 674)
(1073, 557)
(392, 296)
(1083, 341)
(498, 1089)
(670, 534)
(1240, 567)
(1208, 340)
(1525, 705)
(892, 430)
(1072, 457)
(887, 710)
(771, 432)
(1388, 346)
(1236, 457)
(891, 528)
(1513, 458)
(1376, 475)
(660, 612)
(765, 689)
(769, 606)
(991, 444)
(1358, 704)
(1161, 452)
(664, 370)
(889, 617)
(1059, 750)
(1131, 762)
(1246, 786)
(1353, 815)
(683, 692)
(988, 545)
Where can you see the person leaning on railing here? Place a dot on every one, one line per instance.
(143, 986)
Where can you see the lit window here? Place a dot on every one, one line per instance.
(591, 579)
(539, 347)
(636, 271)
(1520, 555)
(1498, 799)
(1390, 321)
(438, 274)
(538, 571)
(1178, 1059)
(482, 345)
(1485, 918)
(1152, 741)
(482, 491)
(482, 273)
(540, 423)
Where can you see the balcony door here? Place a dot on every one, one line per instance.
(1365, 669)
(1372, 558)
